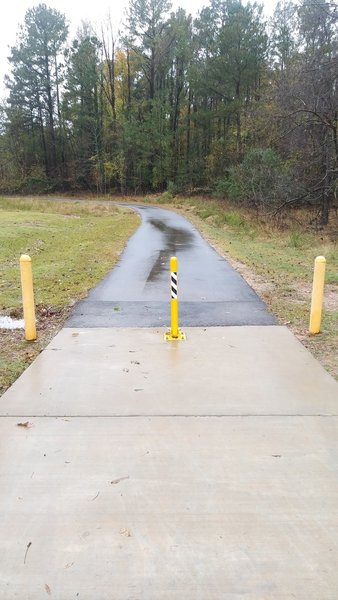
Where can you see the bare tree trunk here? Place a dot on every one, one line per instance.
(325, 196)
(187, 155)
(61, 130)
(109, 55)
(43, 139)
(128, 84)
(50, 109)
(238, 120)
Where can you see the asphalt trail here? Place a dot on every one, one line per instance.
(136, 292)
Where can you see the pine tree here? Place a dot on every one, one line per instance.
(36, 77)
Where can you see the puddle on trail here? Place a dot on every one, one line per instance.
(174, 238)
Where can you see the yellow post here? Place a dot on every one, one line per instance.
(174, 300)
(28, 297)
(317, 294)
(175, 333)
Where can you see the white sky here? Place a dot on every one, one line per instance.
(95, 11)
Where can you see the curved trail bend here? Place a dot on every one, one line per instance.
(136, 292)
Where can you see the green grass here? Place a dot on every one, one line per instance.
(282, 254)
(72, 247)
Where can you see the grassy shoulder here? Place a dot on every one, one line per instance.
(276, 258)
(72, 246)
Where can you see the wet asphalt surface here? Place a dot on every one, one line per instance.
(136, 293)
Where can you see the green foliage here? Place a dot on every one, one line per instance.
(205, 212)
(296, 239)
(166, 196)
(36, 182)
(34, 108)
(172, 188)
(213, 104)
(229, 187)
(235, 219)
(260, 180)
(81, 110)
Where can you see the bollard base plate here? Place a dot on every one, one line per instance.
(170, 338)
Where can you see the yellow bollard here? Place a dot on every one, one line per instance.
(28, 297)
(317, 294)
(175, 333)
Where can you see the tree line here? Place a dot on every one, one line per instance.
(225, 103)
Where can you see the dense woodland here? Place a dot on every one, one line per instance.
(226, 103)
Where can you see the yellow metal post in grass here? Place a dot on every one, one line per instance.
(175, 333)
(28, 297)
(317, 294)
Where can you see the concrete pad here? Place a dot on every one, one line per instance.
(217, 371)
(169, 508)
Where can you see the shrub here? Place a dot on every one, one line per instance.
(229, 187)
(261, 180)
(234, 219)
(171, 188)
(296, 240)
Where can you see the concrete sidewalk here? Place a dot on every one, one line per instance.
(205, 469)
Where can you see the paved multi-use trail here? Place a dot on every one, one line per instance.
(204, 469)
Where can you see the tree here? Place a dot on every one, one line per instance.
(36, 77)
(309, 102)
(150, 37)
(283, 34)
(229, 61)
(82, 110)
(148, 29)
(179, 93)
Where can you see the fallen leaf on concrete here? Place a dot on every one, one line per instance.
(26, 424)
(138, 390)
(125, 532)
(276, 455)
(119, 479)
(47, 588)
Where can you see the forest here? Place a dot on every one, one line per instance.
(228, 104)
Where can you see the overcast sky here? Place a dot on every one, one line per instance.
(13, 13)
